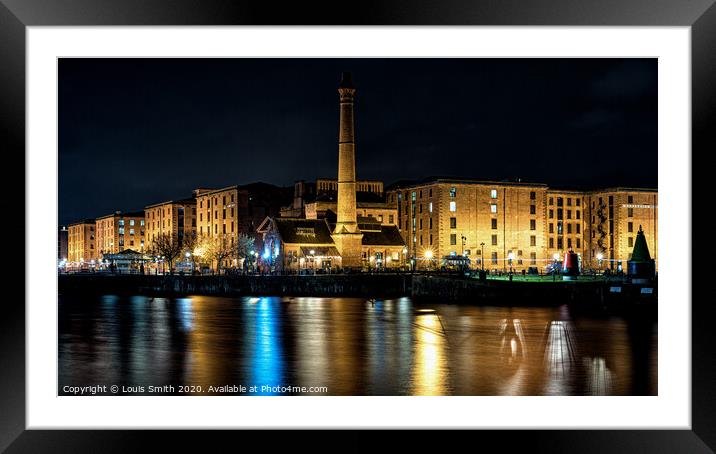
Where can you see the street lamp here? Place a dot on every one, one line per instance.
(462, 247)
(429, 256)
(482, 255)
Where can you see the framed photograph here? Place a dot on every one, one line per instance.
(477, 217)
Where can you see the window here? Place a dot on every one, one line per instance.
(630, 199)
(533, 195)
(630, 227)
(121, 222)
(494, 258)
(533, 240)
(121, 230)
(569, 201)
(579, 243)
(569, 228)
(576, 214)
(453, 223)
(453, 193)
(421, 240)
(569, 243)
(493, 208)
(630, 212)
(559, 227)
(493, 194)
(551, 214)
(560, 201)
(560, 213)
(533, 209)
(551, 228)
(431, 239)
(569, 214)
(533, 224)
(631, 241)
(533, 258)
(453, 239)
(430, 207)
(578, 227)
(494, 224)
(431, 223)
(551, 200)
(420, 208)
(131, 231)
(131, 222)
(453, 207)
(551, 243)
(578, 202)
(494, 240)
(430, 192)
(391, 219)
(559, 243)
(421, 223)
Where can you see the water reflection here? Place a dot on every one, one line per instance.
(353, 346)
(430, 372)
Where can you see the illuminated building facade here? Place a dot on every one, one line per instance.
(613, 217)
(174, 218)
(120, 231)
(81, 242)
(520, 226)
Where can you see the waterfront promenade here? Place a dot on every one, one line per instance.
(455, 288)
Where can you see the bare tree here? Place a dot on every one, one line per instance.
(168, 247)
(214, 248)
(244, 248)
(191, 243)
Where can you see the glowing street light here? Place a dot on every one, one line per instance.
(428, 254)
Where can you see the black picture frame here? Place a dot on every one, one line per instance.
(16, 15)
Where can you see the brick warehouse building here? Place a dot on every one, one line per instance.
(502, 224)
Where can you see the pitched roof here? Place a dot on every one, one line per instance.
(303, 231)
(387, 236)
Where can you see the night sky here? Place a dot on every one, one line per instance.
(138, 131)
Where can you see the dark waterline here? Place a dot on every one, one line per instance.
(350, 346)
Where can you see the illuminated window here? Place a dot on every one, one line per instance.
(493, 208)
(453, 207)
(493, 193)
(131, 222)
(131, 231)
(430, 207)
(453, 193)
(559, 227)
